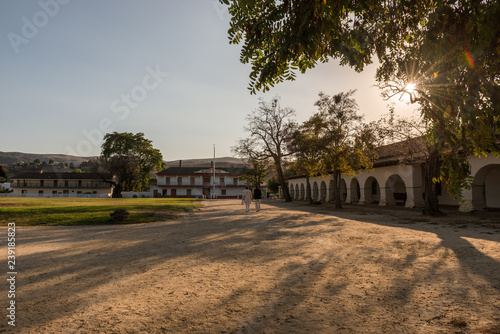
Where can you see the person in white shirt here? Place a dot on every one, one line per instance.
(247, 198)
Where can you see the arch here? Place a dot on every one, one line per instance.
(292, 191)
(355, 191)
(297, 194)
(315, 191)
(486, 187)
(302, 192)
(371, 190)
(322, 196)
(395, 190)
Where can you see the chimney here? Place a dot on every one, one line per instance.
(180, 163)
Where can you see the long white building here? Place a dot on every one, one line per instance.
(391, 182)
(53, 184)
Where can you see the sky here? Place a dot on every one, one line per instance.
(74, 70)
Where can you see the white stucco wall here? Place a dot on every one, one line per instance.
(406, 181)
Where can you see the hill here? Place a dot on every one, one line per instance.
(10, 158)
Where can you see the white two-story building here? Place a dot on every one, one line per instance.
(200, 182)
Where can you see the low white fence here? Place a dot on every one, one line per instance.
(53, 195)
(137, 194)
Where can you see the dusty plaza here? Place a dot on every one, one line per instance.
(290, 268)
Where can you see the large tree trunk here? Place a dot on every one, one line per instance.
(337, 179)
(308, 190)
(281, 178)
(431, 170)
(117, 190)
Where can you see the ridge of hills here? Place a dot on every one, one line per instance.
(10, 158)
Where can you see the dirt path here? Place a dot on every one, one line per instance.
(290, 268)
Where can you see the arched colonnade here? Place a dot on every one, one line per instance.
(403, 185)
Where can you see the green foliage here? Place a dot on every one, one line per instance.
(131, 159)
(3, 175)
(449, 50)
(273, 185)
(334, 140)
(309, 146)
(255, 174)
(347, 143)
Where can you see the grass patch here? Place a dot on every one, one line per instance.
(89, 211)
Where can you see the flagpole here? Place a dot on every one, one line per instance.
(214, 170)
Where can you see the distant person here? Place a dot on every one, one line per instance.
(257, 196)
(247, 198)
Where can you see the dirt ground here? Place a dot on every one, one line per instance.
(290, 268)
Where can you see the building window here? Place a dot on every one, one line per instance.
(188, 192)
(79, 183)
(223, 192)
(192, 180)
(54, 192)
(167, 180)
(40, 192)
(66, 183)
(24, 191)
(55, 183)
(221, 181)
(235, 181)
(179, 180)
(164, 192)
(41, 183)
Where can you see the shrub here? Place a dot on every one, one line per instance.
(119, 215)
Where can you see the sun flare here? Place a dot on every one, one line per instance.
(410, 88)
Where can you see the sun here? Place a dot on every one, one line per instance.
(410, 88)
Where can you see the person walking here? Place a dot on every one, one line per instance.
(247, 198)
(257, 196)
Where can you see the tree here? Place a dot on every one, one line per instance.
(308, 147)
(348, 145)
(3, 174)
(273, 185)
(130, 158)
(269, 127)
(444, 53)
(256, 173)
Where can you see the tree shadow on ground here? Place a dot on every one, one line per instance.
(307, 281)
